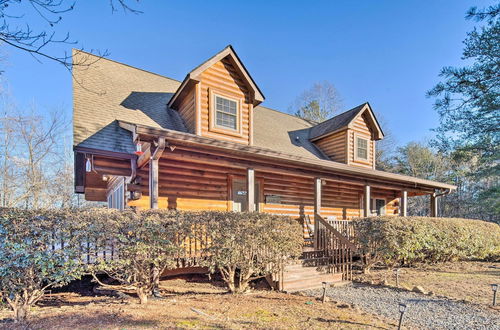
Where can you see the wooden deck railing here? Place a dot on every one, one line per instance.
(192, 248)
(345, 227)
(334, 246)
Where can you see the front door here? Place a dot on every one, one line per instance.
(240, 203)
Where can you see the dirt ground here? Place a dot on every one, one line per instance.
(188, 304)
(469, 281)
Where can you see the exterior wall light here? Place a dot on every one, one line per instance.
(402, 310)
(88, 165)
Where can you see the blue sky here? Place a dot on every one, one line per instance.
(386, 52)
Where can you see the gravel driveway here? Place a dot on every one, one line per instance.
(423, 311)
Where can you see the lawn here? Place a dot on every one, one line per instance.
(469, 281)
(197, 304)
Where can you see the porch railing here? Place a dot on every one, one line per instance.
(334, 246)
(345, 227)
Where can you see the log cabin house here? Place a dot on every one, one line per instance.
(206, 143)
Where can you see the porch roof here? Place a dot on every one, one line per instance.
(232, 148)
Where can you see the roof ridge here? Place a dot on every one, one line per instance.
(286, 113)
(125, 64)
(358, 107)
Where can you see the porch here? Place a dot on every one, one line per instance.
(186, 172)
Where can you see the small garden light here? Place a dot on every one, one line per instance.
(402, 310)
(494, 287)
(396, 271)
(325, 286)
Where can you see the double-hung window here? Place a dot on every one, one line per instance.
(378, 206)
(226, 113)
(361, 148)
(116, 198)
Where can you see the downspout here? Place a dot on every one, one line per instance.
(434, 201)
(444, 193)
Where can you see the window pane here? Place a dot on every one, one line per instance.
(362, 148)
(226, 112)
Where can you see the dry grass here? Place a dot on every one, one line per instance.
(469, 281)
(197, 305)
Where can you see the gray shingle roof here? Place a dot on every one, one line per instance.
(335, 123)
(283, 132)
(108, 91)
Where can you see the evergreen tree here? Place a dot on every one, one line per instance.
(468, 102)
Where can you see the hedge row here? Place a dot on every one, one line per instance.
(409, 240)
(242, 246)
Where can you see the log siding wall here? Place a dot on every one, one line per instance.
(222, 78)
(187, 110)
(186, 185)
(361, 129)
(334, 146)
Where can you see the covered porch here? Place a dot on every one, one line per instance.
(183, 171)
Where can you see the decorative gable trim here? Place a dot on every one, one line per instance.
(194, 75)
(356, 112)
(372, 122)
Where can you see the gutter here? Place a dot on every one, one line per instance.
(444, 193)
(266, 153)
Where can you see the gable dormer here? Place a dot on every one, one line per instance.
(217, 98)
(350, 137)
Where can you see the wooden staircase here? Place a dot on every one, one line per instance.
(329, 260)
(304, 276)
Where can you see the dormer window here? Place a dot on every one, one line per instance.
(361, 148)
(226, 112)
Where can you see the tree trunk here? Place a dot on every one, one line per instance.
(244, 281)
(228, 275)
(142, 294)
(21, 312)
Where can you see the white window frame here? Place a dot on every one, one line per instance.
(116, 195)
(213, 114)
(368, 142)
(373, 206)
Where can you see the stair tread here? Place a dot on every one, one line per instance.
(306, 286)
(313, 280)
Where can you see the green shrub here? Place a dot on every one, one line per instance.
(408, 240)
(146, 243)
(31, 260)
(247, 246)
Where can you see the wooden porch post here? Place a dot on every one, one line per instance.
(251, 189)
(153, 183)
(153, 173)
(366, 201)
(434, 206)
(404, 204)
(317, 208)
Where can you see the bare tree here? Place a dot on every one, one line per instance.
(18, 18)
(36, 162)
(385, 148)
(318, 103)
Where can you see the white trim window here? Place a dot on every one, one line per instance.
(362, 148)
(116, 198)
(226, 112)
(378, 206)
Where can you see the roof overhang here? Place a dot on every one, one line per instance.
(193, 77)
(269, 154)
(373, 122)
